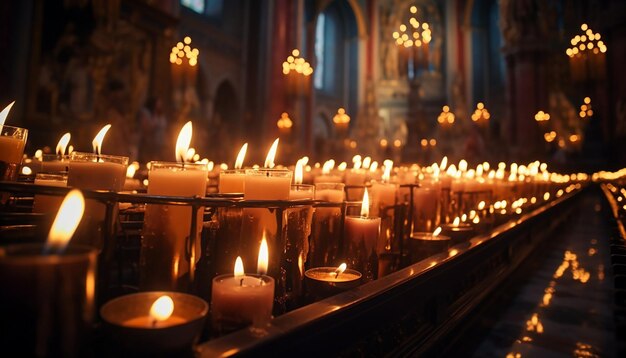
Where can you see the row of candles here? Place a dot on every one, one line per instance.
(242, 298)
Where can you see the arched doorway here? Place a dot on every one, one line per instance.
(335, 80)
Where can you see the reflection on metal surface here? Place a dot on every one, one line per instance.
(584, 350)
(534, 324)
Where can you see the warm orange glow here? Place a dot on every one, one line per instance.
(68, 217)
(262, 262)
(271, 155)
(62, 144)
(162, 308)
(298, 173)
(341, 117)
(365, 205)
(97, 140)
(183, 142)
(284, 122)
(239, 271)
(241, 156)
(340, 269)
(5, 113)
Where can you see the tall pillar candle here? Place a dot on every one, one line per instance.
(165, 261)
(95, 172)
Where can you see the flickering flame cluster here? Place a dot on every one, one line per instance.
(481, 113)
(298, 64)
(284, 122)
(446, 116)
(341, 117)
(183, 50)
(585, 43)
(411, 35)
(585, 108)
(542, 116)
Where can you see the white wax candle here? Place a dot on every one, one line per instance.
(92, 175)
(232, 181)
(301, 192)
(266, 184)
(362, 230)
(327, 178)
(331, 195)
(149, 322)
(167, 227)
(243, 300)
(383, 195)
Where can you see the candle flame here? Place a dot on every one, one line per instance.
(239, 271)
(456, 221)
(262, 262)
(131, 170)
(387, 174)
(183, 142)
(479, 170)
(5, 113)
(162, 308)
(271, 154)
(342, 167)
(298, 173)
(63, 142)
(365, 205)
(328, 166)
(340, 269)
(444, 163)
(463, 165)
(97, 140)
(241, 156)
(366, 162)
(437, 231)
(373, 167)
(357, 162)
(68, 217)
(476, 220)
(451, 171)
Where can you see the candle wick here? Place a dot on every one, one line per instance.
(261, 281)
(241, 282)
(154, 323)
(336, 274)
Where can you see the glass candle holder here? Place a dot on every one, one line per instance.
(326, 240)
(322, 282)
(95, 172)
(232, 181)
(47, 302)
(168, 257)
(49, 204)
(302, 192)
(132, 331)
(241, 301)
(267, 184)
(422, 245)
(51, 163)
(12, 142)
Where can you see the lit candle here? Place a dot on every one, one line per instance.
(324, 282)
(326, 176)
(232, 181)
(59, 161)
(167, 261)
(425, 244)
(160, 315)
(12, 142)
(48, 290)
(241, 299)
(458, 231)
(268, 183)
(383, 193)
(298, 190)
(361, 234)
(95, 172)
(154, 323)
